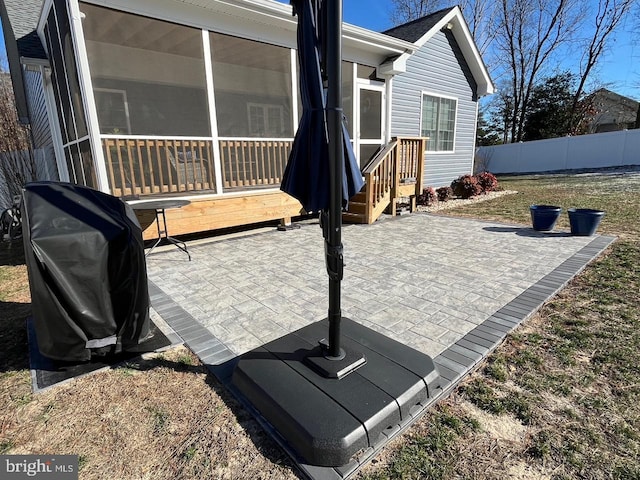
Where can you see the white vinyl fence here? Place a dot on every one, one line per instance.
(600, 150)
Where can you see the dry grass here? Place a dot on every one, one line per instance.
(560, 399)
(161, 417)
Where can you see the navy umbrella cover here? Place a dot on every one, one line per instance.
(306, 176)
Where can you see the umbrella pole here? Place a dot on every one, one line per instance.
(333, 36)
(334, 361)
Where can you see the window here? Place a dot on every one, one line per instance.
(438, 122)
(113, 110)
(265, 120)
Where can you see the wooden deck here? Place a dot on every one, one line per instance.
(222, 212)
(247, 175)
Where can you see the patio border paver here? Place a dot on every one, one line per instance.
(454, 363)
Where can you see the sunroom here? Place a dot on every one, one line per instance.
(196, 98)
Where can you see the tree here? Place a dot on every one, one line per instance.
(479, 15)
(530, 34)
(500, 112)
(17, 165)
(486, 133)
(549, 113)
(403, 11)
(606, 17)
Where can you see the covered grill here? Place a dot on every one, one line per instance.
(87, 271)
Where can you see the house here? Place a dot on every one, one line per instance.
(440, 85)
(199, 99)
(612, 111)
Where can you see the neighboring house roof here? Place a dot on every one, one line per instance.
(23, 16)
(612, 111)
(421, 30)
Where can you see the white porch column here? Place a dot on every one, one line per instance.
(213, 119)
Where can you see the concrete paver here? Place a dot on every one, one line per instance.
(425, 280)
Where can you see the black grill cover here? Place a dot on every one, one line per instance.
(87, 271)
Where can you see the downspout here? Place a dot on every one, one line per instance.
(388, 85)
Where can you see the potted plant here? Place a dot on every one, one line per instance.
(584, 221)
(544, 217)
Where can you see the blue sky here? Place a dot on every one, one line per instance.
(618, 71)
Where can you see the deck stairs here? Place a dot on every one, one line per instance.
(395, 172)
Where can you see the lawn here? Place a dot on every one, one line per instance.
(559, 399)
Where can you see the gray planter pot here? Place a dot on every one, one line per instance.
(584, 221)
(544, 217)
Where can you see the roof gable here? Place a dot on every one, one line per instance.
(23, 16)
(421, 30)
(414, 30)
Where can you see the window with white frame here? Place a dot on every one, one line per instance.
(438, 122)
(266, 120)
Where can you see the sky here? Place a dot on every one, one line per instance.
(619, 70)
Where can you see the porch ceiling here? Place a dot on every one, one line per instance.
(139, 32)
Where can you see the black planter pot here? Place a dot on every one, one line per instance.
(584, 221)
(544, 217)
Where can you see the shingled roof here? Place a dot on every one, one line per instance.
(414, 30)
(23, 17)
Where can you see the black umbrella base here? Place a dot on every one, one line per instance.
(329, 421)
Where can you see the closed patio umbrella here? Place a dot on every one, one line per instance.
(322, 172)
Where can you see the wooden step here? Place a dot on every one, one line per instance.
(360, 197)
(348, 217)
(356, 207)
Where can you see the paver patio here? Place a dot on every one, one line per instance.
(451, 288)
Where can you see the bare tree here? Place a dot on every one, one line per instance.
(529, 35)
(403, 11)
(606, 17)
(17, 165)
(480, 15)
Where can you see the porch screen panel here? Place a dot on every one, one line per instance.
(148, 75)
(68, 56)
(252, 84)
(58, 78)
(67, 94)
(87, 164)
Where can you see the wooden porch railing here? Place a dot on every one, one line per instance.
(254, 162)
(396, 171)
(146, 166)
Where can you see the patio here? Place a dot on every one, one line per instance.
(450, 288)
